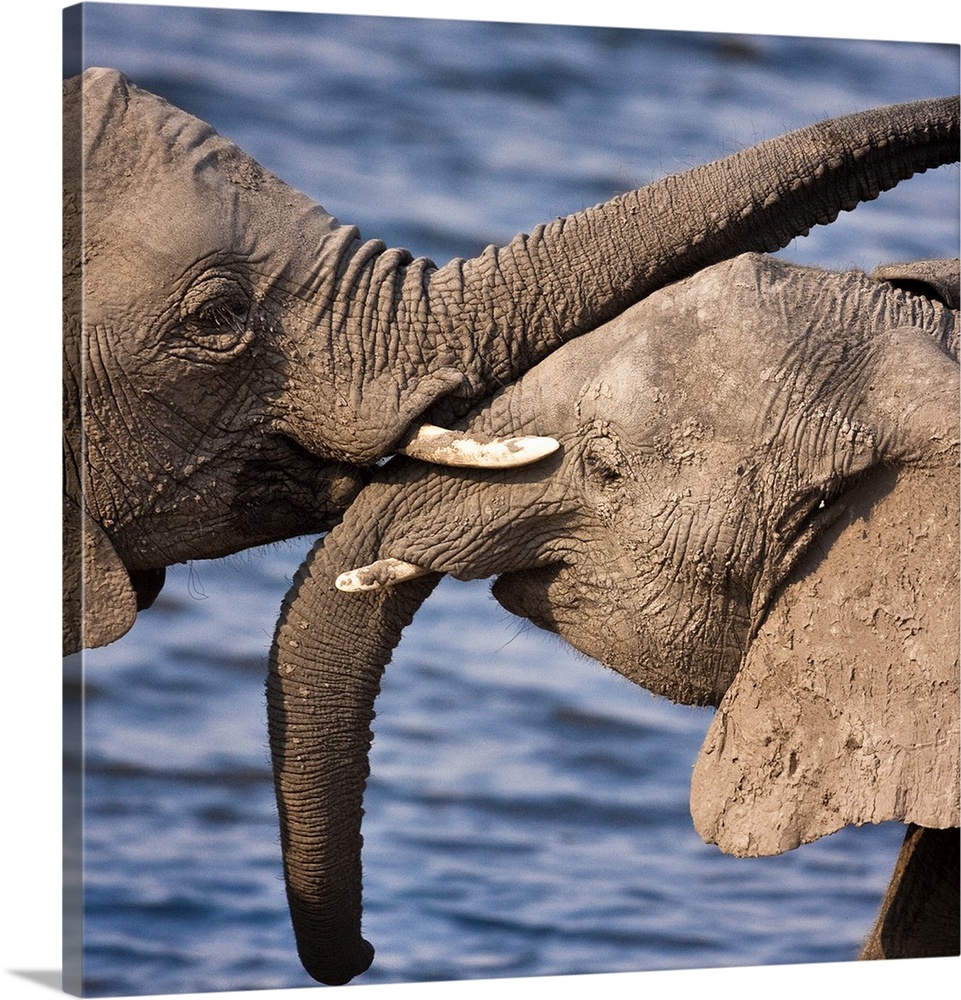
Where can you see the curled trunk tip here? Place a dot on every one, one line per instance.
(336, 965)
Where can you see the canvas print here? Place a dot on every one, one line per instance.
(510, 499)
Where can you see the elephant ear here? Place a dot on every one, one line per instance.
(99, 598)
(846, 709)
(936, 279)
(939, 280)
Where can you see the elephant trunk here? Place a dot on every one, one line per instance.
(327, 659)
(592, 265)
(453, 335)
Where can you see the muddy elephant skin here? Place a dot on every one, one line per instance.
(735, 449)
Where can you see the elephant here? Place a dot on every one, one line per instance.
(754, 506)
(236, 361)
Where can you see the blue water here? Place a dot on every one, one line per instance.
(527, 812)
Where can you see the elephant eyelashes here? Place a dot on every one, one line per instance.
(217, 316)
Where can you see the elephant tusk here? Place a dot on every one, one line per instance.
(445, 447)
(378, 575)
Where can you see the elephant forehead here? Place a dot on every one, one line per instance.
(735, 342)
(656, 376)
(132, 137)
(164, 196)
(671, 353)
(685, 348)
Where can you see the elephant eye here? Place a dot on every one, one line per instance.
(216, 319)
(602, 460)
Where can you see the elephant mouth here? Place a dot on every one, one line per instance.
(670, 646)
(530, 594)
(283, 491)
(147, 584)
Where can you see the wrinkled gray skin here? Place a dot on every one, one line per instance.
(719, 441)
(235, 359)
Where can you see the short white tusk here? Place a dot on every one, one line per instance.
(380, 574)
(445, 447)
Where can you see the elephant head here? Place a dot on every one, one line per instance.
(710, 436)
(235, 360)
